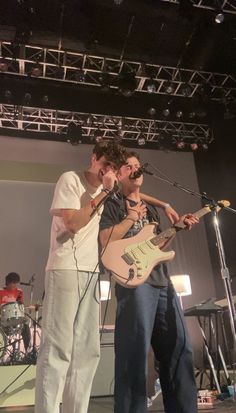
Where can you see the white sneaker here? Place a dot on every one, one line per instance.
(149, 401)
(157, 387)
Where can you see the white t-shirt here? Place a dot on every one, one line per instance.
(73, 251)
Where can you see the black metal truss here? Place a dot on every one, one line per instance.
(23, 118)
(228, 6)
(98, 71)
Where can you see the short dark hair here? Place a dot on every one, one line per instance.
(113, 152)
(12, 277)
(131, 154)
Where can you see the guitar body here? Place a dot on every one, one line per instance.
(132, 259)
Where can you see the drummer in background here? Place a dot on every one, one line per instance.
(9, 294)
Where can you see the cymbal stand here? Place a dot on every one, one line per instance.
(227, 285)
(32, 356)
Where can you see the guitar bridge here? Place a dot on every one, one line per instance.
(128, 259)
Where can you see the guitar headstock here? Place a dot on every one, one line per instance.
(219, 205)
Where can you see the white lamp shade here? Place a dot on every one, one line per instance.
(105, 290)
(181, 284)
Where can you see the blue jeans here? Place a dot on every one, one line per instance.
(149, 315)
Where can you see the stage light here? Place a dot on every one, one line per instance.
(127, 83)
(194, 146)
(180, 144)
(152, 112)
(74, 134)
(186, 89)
(179, 114)
(98, 135)
(80, 76)
(36, 70)
(169, 88)
(45, 99)
(141, 140)
(205, 146)
(219, 17)
(27, 98)
(104, 80)
(8, 96)
(166, 112)
(150, 86)
(192, 115)
(4, 65)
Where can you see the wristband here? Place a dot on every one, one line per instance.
(166, 206)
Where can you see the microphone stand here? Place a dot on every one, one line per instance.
(224, 269)
(31, 283)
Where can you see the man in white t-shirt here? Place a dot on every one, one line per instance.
(70, 348)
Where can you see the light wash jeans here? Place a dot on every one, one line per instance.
(70, 348)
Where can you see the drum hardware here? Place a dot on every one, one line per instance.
(32, 355)
(3, 343)
(12, 317)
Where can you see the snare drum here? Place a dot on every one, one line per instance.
(12, 315)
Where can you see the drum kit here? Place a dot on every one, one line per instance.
(20, 333)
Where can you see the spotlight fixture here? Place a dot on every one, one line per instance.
(127, 83)
(219, 17)
(141, 140)
(45, 99)
(8, 95)
(80, 76)
(74, 134)
(194, 146)
(186, 89)
(192, 114)
(152, 112)
(150, 86)
(4, 65)
(27, 98)
(179, 114)
(169, 88)
(98, 135)
(180, 144)
(104, 80)
(36, 70)
(166, 112)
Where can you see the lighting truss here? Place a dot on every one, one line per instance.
(109, 127)
(67, 66)
(227, 5)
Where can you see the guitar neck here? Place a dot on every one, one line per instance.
(170, 232)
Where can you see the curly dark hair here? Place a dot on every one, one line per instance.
(113, 152)
(12, 277)
(130, 154)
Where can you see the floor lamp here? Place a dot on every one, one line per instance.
(182, 286)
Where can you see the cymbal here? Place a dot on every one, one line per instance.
(33, 306)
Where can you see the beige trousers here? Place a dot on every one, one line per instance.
(70, 348)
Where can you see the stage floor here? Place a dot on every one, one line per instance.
(105, 405)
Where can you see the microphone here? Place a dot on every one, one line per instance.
(140, 171)
(21, 283)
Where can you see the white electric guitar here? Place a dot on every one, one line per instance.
(132, 259)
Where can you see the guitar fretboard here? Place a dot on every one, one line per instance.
(170, 232)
